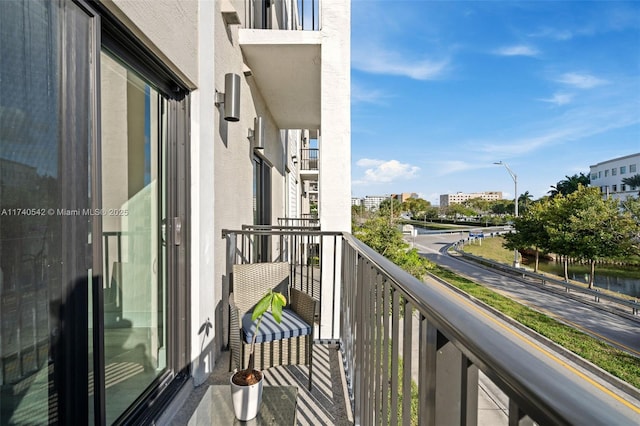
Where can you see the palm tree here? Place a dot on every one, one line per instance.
(524, 200)
(569, 185)
(633, 181)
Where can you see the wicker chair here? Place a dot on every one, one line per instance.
(277, 344)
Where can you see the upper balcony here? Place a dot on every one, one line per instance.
(309, 164)
(281, 44)
(398, 336)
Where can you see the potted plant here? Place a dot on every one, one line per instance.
(246, 385)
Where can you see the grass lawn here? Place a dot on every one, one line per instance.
(491, 248)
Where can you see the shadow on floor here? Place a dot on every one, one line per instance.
(326, 404)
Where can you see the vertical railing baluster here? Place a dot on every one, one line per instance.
(366, 342)
(469, 389)
(431, 357)
(335, 281)
(395, 336)
(386, 290)
(380, 378)
(359, 331)
(407, 334)
(516, 416)
(423, 372)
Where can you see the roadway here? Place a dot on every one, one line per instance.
(617, 330)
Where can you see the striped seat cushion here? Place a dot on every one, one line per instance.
(291, 326)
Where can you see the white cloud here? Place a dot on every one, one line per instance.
(553, 33)
(559, 99)
(581, 81)
(380, 171)
(360, 94)
(520, 50)
(375, 60)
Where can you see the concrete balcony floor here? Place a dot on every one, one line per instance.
(326, 404)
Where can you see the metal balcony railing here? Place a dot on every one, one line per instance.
(283, 14)
(300, 221)
(397, 333)
(309, 158)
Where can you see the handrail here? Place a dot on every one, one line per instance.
(633, 304)
(524, 375)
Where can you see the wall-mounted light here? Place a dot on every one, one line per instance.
(294, 158)
(230, 98)
(256, 135)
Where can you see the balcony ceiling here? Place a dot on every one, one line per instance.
(286, 69)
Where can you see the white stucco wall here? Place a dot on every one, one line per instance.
(168, 28)
(232, 171)
(335, 139)
(335, 133)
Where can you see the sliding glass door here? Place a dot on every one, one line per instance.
(133, 215)
(93, 207)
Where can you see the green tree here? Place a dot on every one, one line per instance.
(459, 210)
(530, 231)
(633, 182)
(503, 207)
(557, 229)
(387, 240)
(478, 204)
(430, 213)
(524, 201)
(569, 185)
(599, 229)
(390, 208)
(415, 207)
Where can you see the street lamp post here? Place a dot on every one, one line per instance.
(516, 262)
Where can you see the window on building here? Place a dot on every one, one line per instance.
(614, 188)
(623, 187)
(614, 172)
(594, 176)
(623, 170)
(632, 168)
(606, 173)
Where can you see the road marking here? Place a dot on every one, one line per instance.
(543, 351)
(587, 331)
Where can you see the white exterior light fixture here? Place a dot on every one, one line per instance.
(230, 98)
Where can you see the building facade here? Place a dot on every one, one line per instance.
(609, 175)
(460, 197)
(372, 202)
(135, 133)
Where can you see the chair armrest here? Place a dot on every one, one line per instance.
(304, 305)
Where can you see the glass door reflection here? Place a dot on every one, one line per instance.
(133, 123)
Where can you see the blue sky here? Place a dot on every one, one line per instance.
(440, 90)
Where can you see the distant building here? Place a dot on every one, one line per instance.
(461, 197)
(372, 202)
(357, 201)
(608, 176)
(404, 196)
